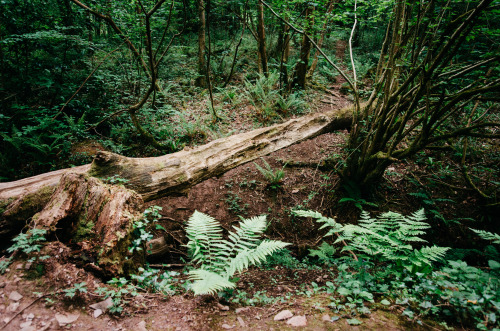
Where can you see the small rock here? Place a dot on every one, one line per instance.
(295, 191)
(241, 310)
(46, 326)
(30, 316)
(15, 296)
(2, 284)
(28, 328)
(97, 313)
(141, 326)
(103, 305)
(319, 279)
(241, 321)
(325, 276)
(227, 326)
(283, 315)
(27, 266)
(25, 324)
(297, 321)
(13, 307)
(66, 319)
(19, 266)
(222, 307)
(326, 318)
(6, 320)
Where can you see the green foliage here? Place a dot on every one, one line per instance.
(28, 242)
(493, 237)
(155, 281)
(268, 100)
(115, 180)
(388, 238)
(77, 288)
(141, 232)
(354, 196)
(325, 253)
(220, 259)
(273, 177)
(233, 201)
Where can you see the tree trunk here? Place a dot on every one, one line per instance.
(202, 64)
(321, 39)
(77, 206)
(305, 50)
(262, 37)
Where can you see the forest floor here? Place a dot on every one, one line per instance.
(29, 301)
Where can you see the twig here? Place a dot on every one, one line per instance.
(31, 304)
(167, 265)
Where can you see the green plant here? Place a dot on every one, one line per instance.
(115, 180)
(77, 288)
(263, 95)
(273, 177)
(431, 206)
(388, 238)
(28, 242)
(324, 253)
(220, 259)
(354, 195)
(141, 232)
(233, 201)
(153, 280)
(493, 237)
(4, 264)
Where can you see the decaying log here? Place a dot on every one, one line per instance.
(69, 200)
(97, 216)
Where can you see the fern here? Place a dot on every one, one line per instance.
(274, 177)
(493, 237)
(219, 259)
(386, 238)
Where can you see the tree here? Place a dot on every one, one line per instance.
(154, 55)
(430, 87)
(261, 32)
(202, 63)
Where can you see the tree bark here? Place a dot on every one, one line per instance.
(202, 64)
(69, 200)
(321, 38)
(261, 31)
(305, 51)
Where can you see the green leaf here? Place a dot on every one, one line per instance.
(494, 264)
(354, 321)
(385, 302)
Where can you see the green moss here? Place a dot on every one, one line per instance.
(84, 230)
(4, 204)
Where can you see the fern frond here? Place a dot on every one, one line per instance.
(203, 232)
(330, 223)
(245, 258)
(495, 238)
(208, 282)
(221, 258)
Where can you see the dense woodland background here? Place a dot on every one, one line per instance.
(148, 78)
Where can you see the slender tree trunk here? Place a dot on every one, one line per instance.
(284, 54)
(305, 50)
(201, 81)
(321, 38)
(262, 37)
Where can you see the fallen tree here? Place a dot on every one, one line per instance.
(76, 204)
